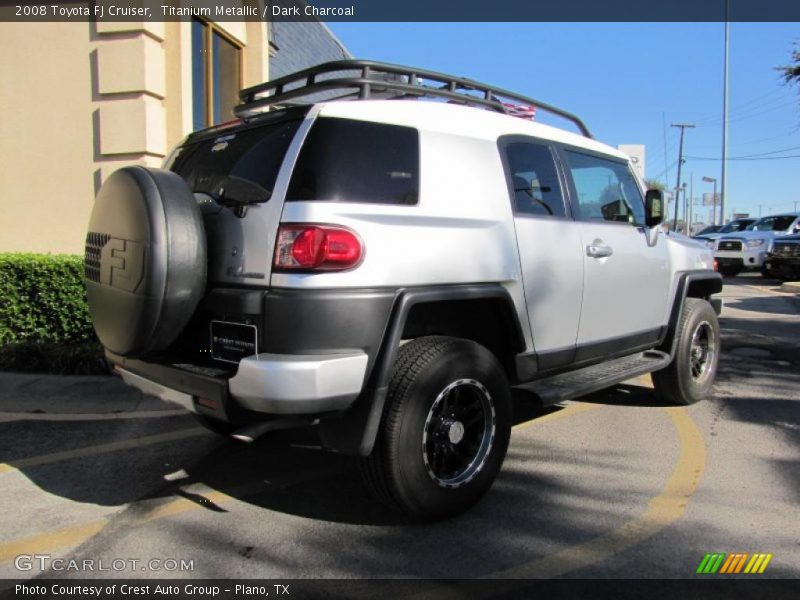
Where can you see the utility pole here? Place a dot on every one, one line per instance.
(683, 127)
(724, 181)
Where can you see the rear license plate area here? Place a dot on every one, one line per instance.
(231, 342)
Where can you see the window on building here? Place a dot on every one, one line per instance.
(216, 75)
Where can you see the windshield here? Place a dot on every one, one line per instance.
(780, 223)
(736, 226)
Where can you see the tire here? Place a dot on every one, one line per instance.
(729, 271)
(690, 376)
(445, 429)
(145, 269)
(766, 273)
(215, 425)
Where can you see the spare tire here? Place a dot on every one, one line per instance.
(145, 260)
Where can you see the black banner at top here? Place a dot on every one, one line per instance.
(404, 10)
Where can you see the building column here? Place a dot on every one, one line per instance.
(130, 116)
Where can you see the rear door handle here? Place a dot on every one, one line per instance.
(598, 249)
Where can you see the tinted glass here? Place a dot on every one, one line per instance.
(534, 180)
(226, 78)
(738, 225)
(199, 80)
(607, 190)
(774, 223)
(354, 161)
(244, 164)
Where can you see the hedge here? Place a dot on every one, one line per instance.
(43, 300)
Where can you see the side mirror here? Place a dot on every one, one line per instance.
(653, 208)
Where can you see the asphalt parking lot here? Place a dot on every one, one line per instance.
(612, 485)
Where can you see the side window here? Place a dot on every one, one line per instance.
(534, 179)
(357, 161)
(606, 190)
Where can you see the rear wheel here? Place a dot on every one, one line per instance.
(445, 428)
(690, 376)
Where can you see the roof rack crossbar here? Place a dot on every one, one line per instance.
(376, 77)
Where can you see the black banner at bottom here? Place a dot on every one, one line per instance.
(395, 589)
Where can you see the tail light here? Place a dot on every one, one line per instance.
(716, 265)
(302, 247)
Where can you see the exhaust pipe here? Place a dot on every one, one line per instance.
(250, 433)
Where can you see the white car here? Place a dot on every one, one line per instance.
(710, 239)
(748, 249)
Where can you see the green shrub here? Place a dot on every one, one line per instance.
(82, 358)
(43, 300)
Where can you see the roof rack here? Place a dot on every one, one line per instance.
(364, 79)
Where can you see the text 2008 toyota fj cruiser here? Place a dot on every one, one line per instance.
(390, 269)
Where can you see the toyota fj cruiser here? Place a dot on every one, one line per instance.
(390, 270)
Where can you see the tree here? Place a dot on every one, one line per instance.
(791, 73)
(655, 184)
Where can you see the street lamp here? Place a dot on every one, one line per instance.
(714, 202)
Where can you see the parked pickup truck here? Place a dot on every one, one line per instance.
(748, 249)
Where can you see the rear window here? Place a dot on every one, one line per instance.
(354, 161)
(238, 166)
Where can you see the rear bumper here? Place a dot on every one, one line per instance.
(299, 384)
(270, 384)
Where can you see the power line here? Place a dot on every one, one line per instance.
(746, 105)
(744, 157)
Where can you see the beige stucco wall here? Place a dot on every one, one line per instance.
(81, 100)
(46, 136)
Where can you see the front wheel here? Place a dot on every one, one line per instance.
(690, 376)
(445, 428)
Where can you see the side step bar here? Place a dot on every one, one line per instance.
(580, 382)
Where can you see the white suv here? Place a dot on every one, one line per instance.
(390, 269)
(748, 249)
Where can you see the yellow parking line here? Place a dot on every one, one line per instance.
(69, 537)
(665, 508)
(46, 459)
(773, 292)
(60, 538)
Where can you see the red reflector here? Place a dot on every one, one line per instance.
(208, 402)
(316, 247)
(716, 265)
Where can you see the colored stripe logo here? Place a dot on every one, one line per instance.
(738, 562)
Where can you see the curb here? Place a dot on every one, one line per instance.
(791, 286)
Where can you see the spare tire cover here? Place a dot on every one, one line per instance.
(145, 260)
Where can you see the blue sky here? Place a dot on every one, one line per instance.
(625, 80)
